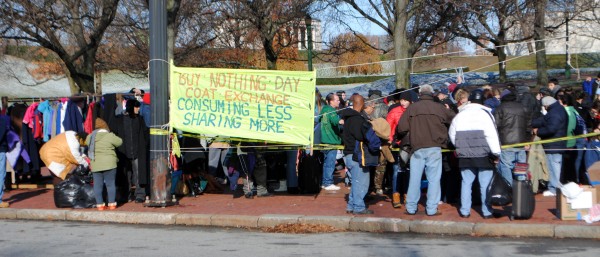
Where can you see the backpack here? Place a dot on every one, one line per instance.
(366, 152)
(580, 127)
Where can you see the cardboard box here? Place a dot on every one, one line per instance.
(594, 176)
(565, 210)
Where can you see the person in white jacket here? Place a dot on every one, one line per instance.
(473, 133)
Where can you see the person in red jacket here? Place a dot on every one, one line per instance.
(402, 99)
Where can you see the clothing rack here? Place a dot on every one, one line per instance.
(89, 98)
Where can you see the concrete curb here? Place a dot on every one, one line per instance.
(9, 214)
(272, 220)
(361, 224)
(123, 217)
(441, 227)
(339, 222)
(367, 224)
(571, 231)
(514, 230)
(238, 221)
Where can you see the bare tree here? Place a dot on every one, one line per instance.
(491, 21)
(190, 26)
(73, 29)
(412, 25)
(273, 21)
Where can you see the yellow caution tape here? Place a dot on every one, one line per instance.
(340, 147)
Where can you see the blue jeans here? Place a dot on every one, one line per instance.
(430, 161)
(328, 167)
(580, 144)
(554, 161)
(468, 176)
(360, 185)
(100, 179)
(395, 178)
(2, 173)
(508, 158)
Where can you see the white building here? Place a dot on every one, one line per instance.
(234, 35)
(583, 31)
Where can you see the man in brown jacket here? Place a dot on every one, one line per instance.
(427, 123)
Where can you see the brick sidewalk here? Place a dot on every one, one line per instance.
(326, 203)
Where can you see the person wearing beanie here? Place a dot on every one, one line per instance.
(442, 96)
(135, 134)
(473, 133)
(402, 100)
(513, 122)
(552, 125)
(426, 123)
(103, 161)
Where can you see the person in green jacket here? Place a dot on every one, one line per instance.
(573, 158)
(103, 161)
(330, 134)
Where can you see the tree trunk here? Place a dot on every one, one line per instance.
(501, 64)
(172, 11)
(98, 82)
(402, 47)
(82, 73)
(270, 55)
(540, 45)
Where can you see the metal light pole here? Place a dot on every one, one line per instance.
(307, 22)
(160, 178)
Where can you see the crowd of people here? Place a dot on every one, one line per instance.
(443, 139)
(413, 139)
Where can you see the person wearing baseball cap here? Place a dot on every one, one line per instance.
(552, 125)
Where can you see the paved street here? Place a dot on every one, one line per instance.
(42, 238)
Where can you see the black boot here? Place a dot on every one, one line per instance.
(239, 191)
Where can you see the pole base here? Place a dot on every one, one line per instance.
(161, 204)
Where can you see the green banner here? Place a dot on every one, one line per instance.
(258, 104)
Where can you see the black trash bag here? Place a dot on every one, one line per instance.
(85, 197)
(499, 192)
(66, 192)
(80, 170)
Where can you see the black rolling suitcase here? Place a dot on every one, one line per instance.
(523, 200)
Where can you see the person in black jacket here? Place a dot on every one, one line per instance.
(552, 125)
(353, 131)
(514, 126)
(132, 129)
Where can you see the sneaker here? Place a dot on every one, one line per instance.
(363, 212)
(4, 204)
(101, 207)
(548, 193)
(379, 192)
(267, 194)
(112, 206)
(331, 187)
